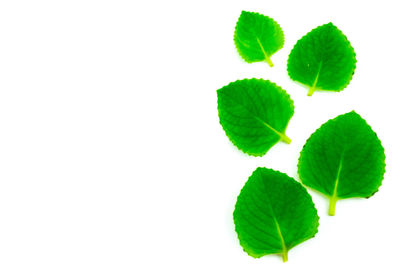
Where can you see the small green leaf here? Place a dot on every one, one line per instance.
(342, 159)
(257, 37)
(254, 114)
(322, 59)
(273, 213)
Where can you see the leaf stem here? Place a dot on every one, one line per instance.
(268, 60)
(285, 138)
(285, 255)
(311, 90)
(332, 205)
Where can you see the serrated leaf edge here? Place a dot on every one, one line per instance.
(313, 88)
(267, 57)
(245, 246)
(284, 131)
(300, 161)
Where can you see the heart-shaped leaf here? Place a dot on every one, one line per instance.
(254, 114)
(342, 159)
(322, 59)
(257, 37)
(273, 213)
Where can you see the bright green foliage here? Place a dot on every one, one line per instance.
(257, 37)
(254, 114)
(343, 159)
(273, 213)
(322, 59)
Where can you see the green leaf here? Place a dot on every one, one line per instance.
(273, 213)
(342, 159)
(257, 37)
(322, 59)
(254, 114)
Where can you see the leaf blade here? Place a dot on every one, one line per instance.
(254, 114)
(257, 37)
(286, 214)
(344, 158)
(323, 59)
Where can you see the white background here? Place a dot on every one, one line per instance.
(111, 153)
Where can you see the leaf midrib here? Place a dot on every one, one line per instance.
(267, 57)
(334, 194)
(314, 85)
(278, 228)
(334, 198)
(281, 135)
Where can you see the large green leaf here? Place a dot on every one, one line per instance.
(343, 159)
(257, 37)
(322, 59)
(254, 114)
(273, 213)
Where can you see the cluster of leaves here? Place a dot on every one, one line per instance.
(323, 59)
(343, 158)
